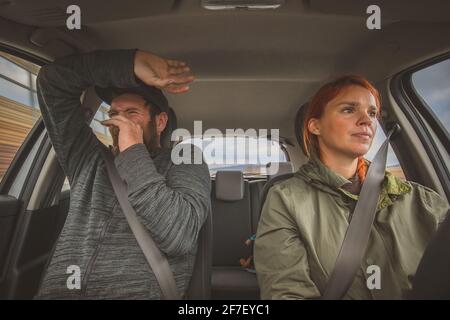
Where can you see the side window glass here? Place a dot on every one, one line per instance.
(19, 109)
(392, 163)
(432, 84)
(100, 131)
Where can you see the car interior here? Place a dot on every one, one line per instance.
(255, 66)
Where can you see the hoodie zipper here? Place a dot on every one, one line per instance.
(94, 256)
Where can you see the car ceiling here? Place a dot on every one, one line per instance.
(255, 68)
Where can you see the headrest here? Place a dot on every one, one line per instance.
(298, 125)
(283, 168)
(229, 185)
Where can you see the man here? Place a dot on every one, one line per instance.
(171, 201)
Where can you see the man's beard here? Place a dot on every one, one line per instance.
(152, 145)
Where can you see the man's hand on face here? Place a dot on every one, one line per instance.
(171, 75)
(130, 133)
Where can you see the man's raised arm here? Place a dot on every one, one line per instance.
(60, 85)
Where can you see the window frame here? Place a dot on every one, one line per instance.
(417, 112)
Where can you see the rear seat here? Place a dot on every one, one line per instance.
(235, 213)
(232, 226)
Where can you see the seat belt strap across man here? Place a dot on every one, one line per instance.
(157, 261)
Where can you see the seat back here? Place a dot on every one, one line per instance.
(200, 284)
(275, 169)
(285, 171)
(232, 220)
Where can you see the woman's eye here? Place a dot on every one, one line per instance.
(373, 114)
(347, 110)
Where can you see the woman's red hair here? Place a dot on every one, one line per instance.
(317, 106)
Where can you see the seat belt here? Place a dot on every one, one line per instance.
(356, 238)
(157, 261)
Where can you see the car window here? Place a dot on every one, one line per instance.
(100, 131)
(19, 109)
(392, 163)
(432, 84)
(247, 154)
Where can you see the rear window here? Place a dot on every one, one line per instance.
(247, 154)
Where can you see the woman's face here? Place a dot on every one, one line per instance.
(348, 124)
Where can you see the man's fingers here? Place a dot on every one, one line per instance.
(176, 63)
(115, 121)
(178, 85)
(119, 118)
(181, 79)
(179, 70)
(110, 123)
(181, 86)
(178, 89)
(173, 82)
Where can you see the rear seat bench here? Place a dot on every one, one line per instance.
(236, 204)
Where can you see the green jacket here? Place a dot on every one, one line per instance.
(304, 221)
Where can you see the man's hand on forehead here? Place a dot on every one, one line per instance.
(171, 75)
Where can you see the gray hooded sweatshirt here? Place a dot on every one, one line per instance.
(172, 201)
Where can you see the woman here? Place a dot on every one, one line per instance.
(305, 218)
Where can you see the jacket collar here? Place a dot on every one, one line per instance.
(321, 177)
(315, 171)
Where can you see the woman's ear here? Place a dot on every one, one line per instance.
(314, 126)
(161, 122)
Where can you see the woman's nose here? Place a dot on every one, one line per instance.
(365, 118)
